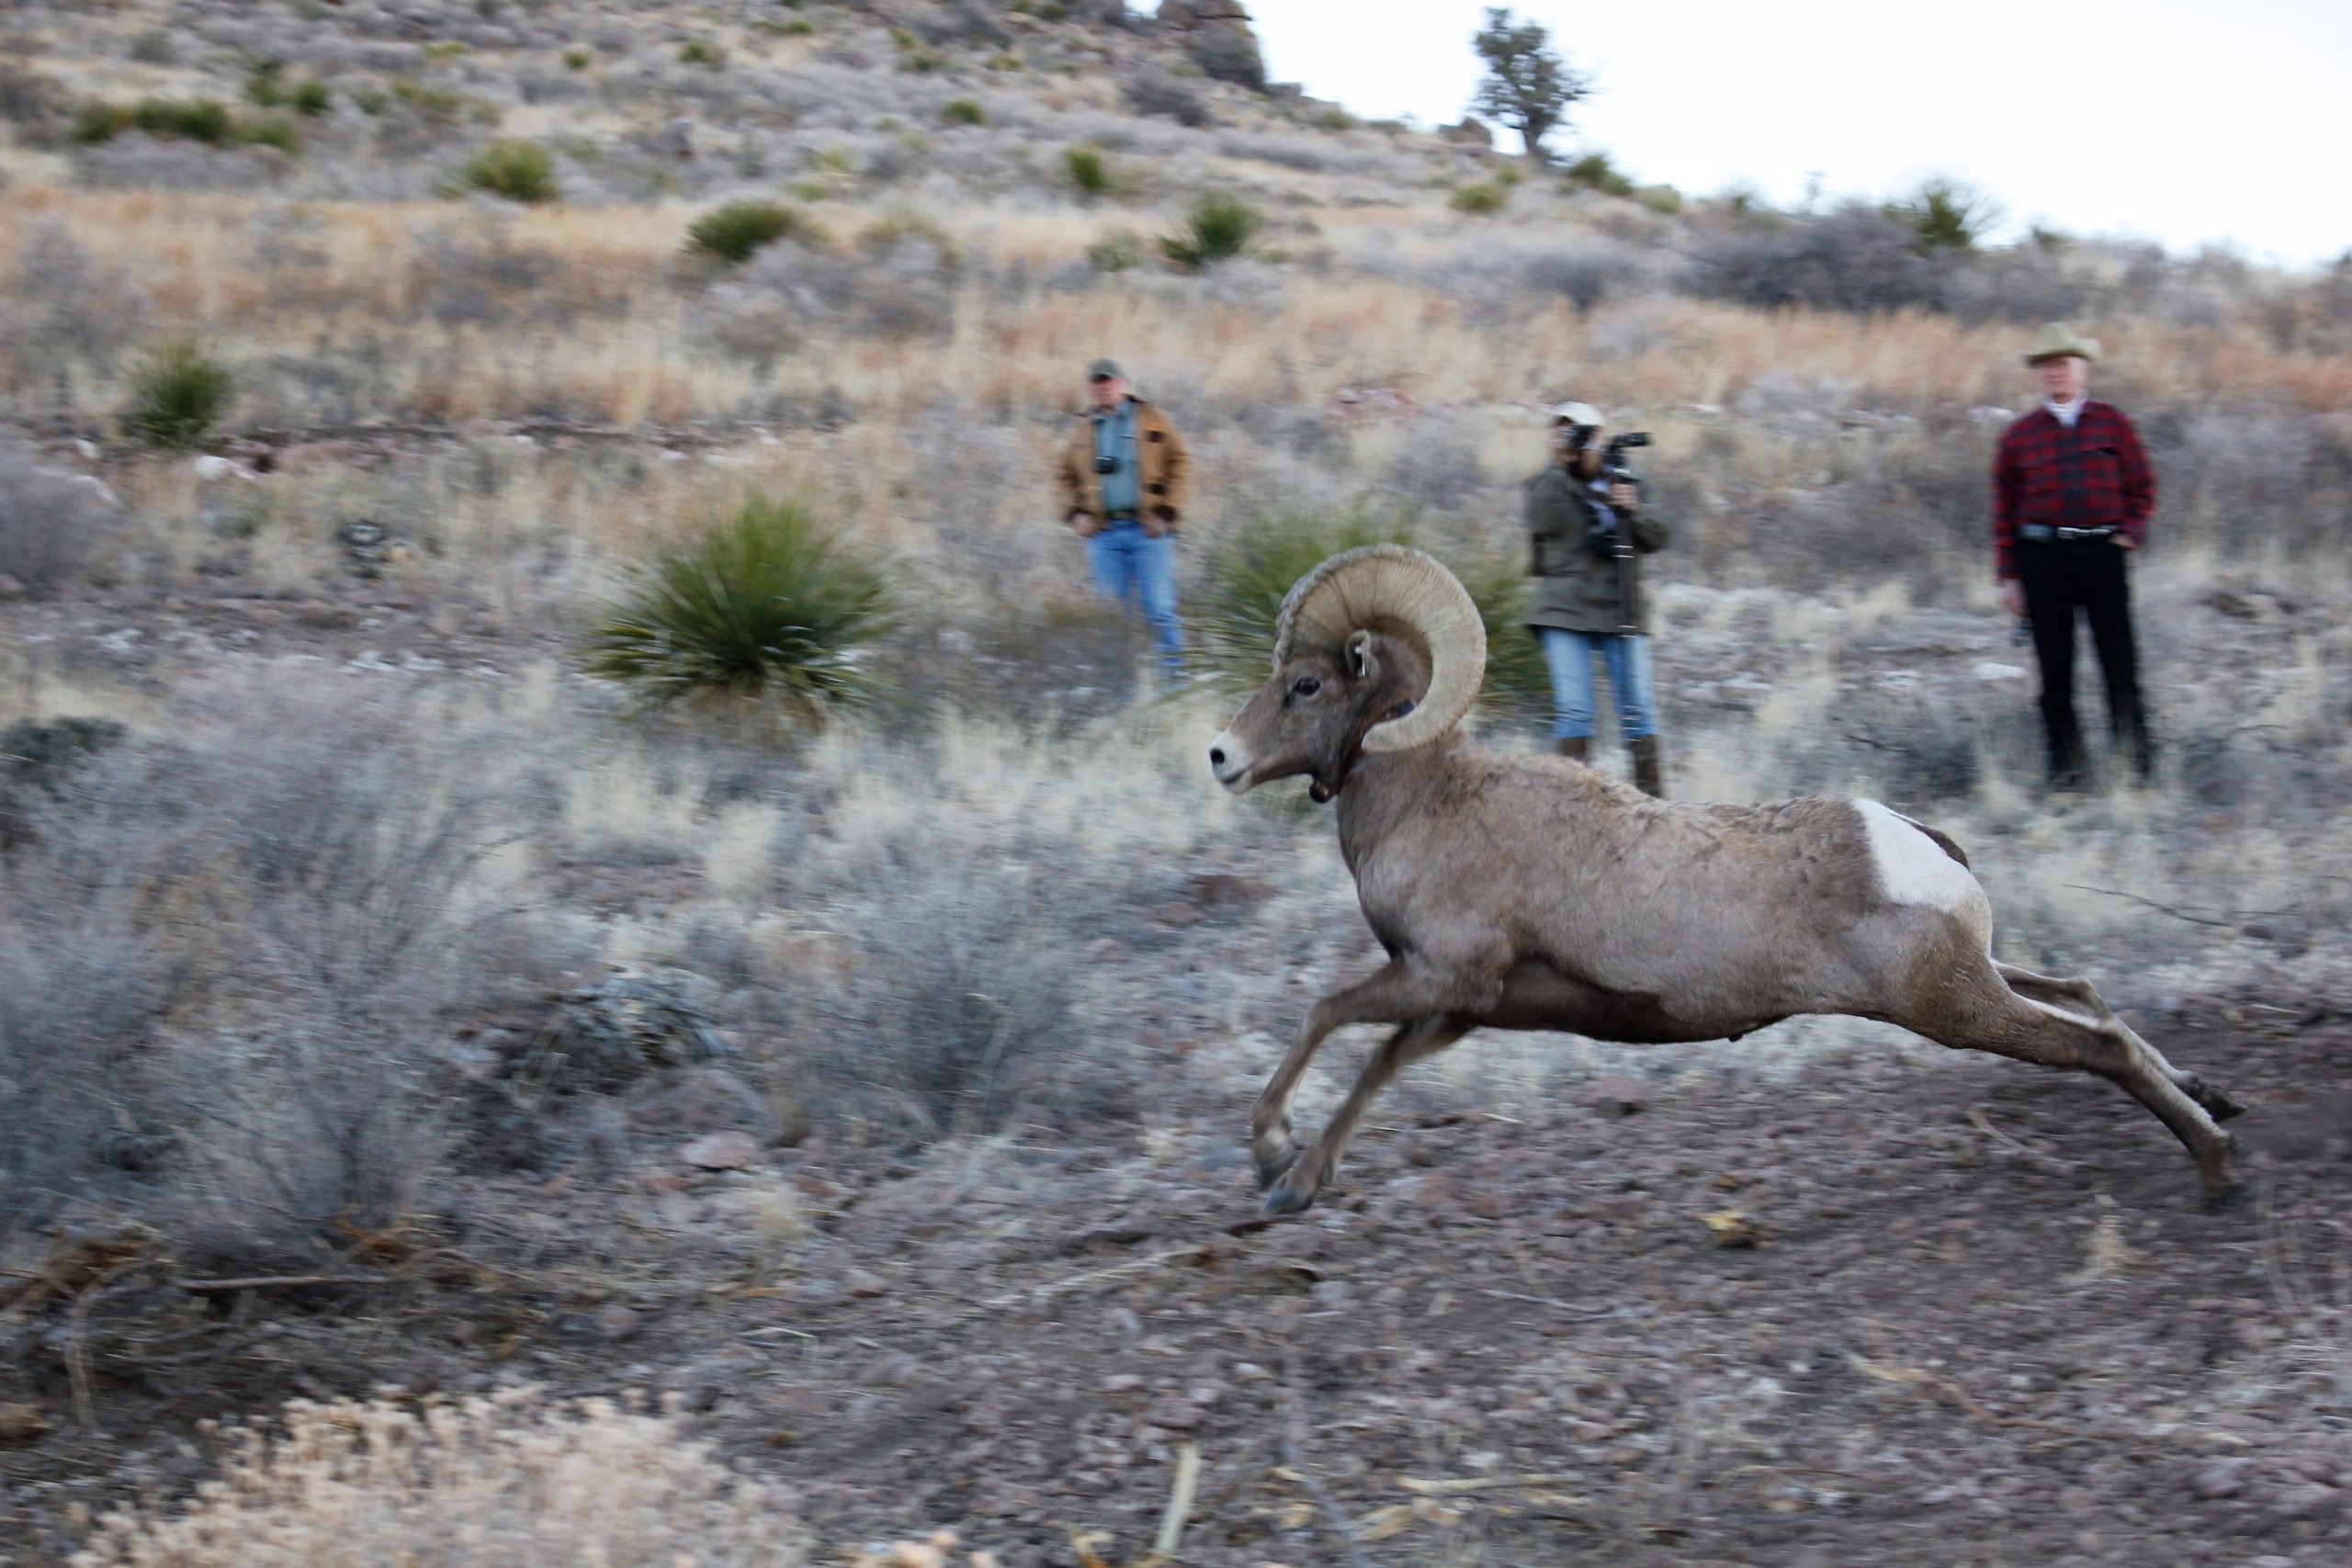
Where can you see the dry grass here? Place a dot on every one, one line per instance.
(513, 1479)
(610, 276)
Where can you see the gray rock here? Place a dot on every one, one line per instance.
(2223, 1478)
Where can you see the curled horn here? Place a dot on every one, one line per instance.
(1391, 588)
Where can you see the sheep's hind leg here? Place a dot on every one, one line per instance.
(2073, 992)
(1422, 1037)
(1990, 1016)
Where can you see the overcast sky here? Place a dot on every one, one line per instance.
(2187, 122)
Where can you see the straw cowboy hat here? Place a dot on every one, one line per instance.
(2058, 340)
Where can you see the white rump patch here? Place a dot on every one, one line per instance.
(1912, 867)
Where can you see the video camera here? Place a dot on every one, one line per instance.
(1603, 535)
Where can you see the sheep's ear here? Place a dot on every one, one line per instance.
(1361, 664)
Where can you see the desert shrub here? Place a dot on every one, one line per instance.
(286, 873)
(702, 52)
(1118, 251)
(205, 121)
(178, 393)
(29, 99)
(1480, 199)
(577, 60)
(960, 1014)
(766, 601)
(193, 120)
(514, 169)
(69, 302)
(513, 1478)
(916, 56)
(319, 1125)
(94, 123)
(899, 289)
(51, 523)
(1152, 93)
(1584, 276)
(266, 85)
(266, 130)
(1594, 170)
(736, 231)
(78, 995)
(1090, 170)
(311, 98)
(1218, 227)
(473, 271)
(1854, 259)
(1248, 573)
(964, 111)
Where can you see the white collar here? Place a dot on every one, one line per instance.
(2068, 412)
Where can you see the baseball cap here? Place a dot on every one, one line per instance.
(1578, 413)
(1103, 369)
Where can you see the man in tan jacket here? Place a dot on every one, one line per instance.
(1126, 477)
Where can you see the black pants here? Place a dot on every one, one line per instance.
(2059, 576)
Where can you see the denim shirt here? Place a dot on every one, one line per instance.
(1114, 436)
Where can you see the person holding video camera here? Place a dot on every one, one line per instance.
(2072, 495)
(1589, 529)
(1126, 475)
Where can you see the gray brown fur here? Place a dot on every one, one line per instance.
(1531, 892)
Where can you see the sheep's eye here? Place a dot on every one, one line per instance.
(1306, 685)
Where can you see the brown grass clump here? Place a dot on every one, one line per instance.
(503, 1479)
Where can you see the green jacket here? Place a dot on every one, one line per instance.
(1575, 590)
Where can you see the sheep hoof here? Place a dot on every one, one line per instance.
(2216, 1104)
(1290, 1196)
(2228, 1198)
(1272, 1168)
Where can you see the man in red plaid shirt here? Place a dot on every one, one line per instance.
(2071, 497)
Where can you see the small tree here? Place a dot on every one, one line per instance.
(1528, 86)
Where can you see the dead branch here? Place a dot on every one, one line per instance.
(276, 1282)
(1977, 1120)
(1292, 1450)
(2226, 923)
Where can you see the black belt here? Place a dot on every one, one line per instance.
(1123, 516)
(2042, 533)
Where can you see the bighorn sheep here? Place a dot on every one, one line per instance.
(1530, 892)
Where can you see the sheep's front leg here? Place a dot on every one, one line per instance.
(1402, 992)
(1269, 1138)
(1424, 1037)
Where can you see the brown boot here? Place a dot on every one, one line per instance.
(1649, 769)
(1574, 746)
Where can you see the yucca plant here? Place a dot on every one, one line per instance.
(734, 230)
(1218, 227)
(766, 601)
(514, 169)
(1250, 572)
(178, 394)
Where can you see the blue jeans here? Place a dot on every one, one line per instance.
(1569, 654)
(1131, 568)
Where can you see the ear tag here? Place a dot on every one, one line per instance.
(1319, 793)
